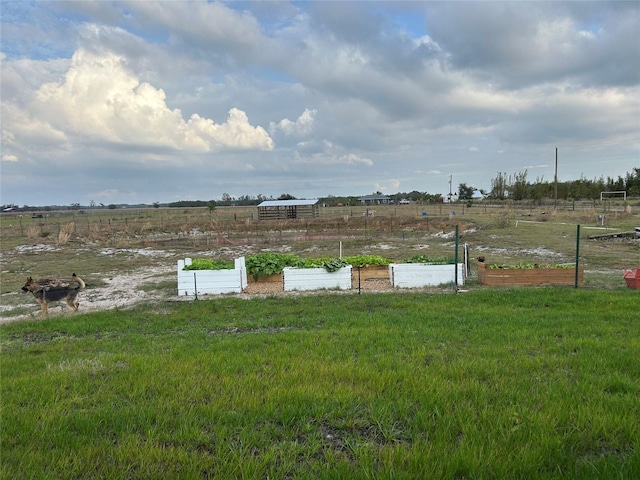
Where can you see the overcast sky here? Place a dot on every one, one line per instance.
(137, 102)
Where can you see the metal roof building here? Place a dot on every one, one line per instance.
(374, 199)
(288, 209)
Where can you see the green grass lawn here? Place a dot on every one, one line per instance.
(530, 383)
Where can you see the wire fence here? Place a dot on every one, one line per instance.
(240, 225)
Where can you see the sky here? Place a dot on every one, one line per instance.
(141, 102)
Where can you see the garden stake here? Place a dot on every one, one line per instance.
(195, 285)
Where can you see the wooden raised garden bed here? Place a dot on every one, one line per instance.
(371, 272)
(537, 276)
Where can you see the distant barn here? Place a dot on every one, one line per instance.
(288, 209)
(374, 200)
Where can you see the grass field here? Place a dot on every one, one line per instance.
(528, 383)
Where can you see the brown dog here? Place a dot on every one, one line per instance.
(48, 290)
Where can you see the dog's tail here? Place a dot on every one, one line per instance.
(79, 280)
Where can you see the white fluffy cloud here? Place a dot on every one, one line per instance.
(99, 99)
(301, 126)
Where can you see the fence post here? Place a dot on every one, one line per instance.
(577, 256)
(455, 264)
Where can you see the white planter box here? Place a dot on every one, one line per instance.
(316, 279)
(201, 282)
(415, 275)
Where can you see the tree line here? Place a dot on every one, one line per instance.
(517, 187)
(504, 186)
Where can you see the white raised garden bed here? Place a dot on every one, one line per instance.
(201, 282)
(415, 275)
(316, 279)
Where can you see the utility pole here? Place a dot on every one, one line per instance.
(450, 191)
(555, 203)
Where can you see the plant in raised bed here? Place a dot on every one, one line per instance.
(430, 260)
(334, 264)
(329, 264)
(529, 266)
(208, 264)
(529, 274)
(270, 263)
(366, 260)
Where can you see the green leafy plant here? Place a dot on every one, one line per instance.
(329, 264)
(208, 264)
(431, 260)
(270, 263)
(334, 264)
(529, 266)
(364, 260)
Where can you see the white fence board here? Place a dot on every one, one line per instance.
(201, 282)
(316, 279)
(415, 275)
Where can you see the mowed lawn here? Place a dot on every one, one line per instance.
(525, 383)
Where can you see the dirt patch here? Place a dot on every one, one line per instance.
(118, 291)
(127, 290)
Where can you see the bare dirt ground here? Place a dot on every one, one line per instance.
(146, 284)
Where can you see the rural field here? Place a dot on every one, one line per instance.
(420, 383)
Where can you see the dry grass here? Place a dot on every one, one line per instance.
(65, 233)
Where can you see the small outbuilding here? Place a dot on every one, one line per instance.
(374, 200)
(288, 209)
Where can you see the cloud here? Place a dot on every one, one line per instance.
(301, 126)
(327, 158)
(353, 159)
(99, 99)
(156, 101)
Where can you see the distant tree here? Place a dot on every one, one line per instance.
(156, 204)
(75, 206)
(286, 196)
(211, 206)
(465, 192)
(112, 206)
(518, 188)
(632, 181)
(499, 186)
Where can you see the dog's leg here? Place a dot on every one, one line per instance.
(44, 308)
(72, 304)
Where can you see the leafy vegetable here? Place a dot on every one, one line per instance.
(208, 264)
(334, 264)
(430, 260)
(529, 266)
(269, 263)
(364, 260)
